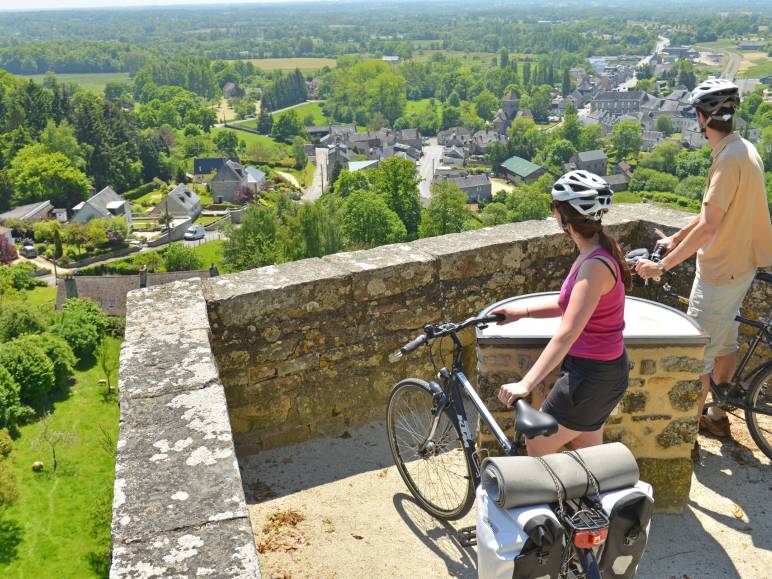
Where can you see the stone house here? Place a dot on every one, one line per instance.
(180, 202)
(484, 138)
(453, 156)
(476, 187)
(105, 204)
(593, 161)
(32, 212)
(617, 102)
(651, 139)
(617, 182)
(226, 182)
(454, 137)
(519, 171)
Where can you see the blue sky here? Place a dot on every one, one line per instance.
(60, 4)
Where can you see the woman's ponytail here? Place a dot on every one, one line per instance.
(610, 244)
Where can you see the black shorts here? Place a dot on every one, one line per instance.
(587, 391)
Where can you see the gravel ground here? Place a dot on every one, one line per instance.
(336, 507)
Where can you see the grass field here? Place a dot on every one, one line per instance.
(416, 106)
(210, 252)
(49, 531)
(92, 82)
(303, 64)
(756, 68)
(277, 150)
(314, 109)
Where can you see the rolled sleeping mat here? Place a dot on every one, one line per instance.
(518, 481)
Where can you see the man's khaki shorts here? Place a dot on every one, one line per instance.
(714, 307)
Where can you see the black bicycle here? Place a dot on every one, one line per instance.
(749, 390)
(429, 432)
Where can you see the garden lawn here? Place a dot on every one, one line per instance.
(44, 296)
(92, 82)
(260, 140)
(210, 252)
(51, 524)
(415, 107)
(312, 109)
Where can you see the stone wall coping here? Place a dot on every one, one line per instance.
(178, 506)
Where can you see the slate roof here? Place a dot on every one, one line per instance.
(594, 155)
(519, 166)
(360, 165)
(616, 180)
(470, 181)
(182, 202)
(100, 201)
(206, 165)
(26, 211)
(253, 175)
(227, 172)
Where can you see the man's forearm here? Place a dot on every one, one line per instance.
(680, 235)
(698, 235)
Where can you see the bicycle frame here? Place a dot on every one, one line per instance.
(457, 383)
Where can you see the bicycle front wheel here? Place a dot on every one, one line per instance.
(760, 397)
(433, 466)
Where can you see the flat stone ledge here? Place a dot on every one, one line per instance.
(178, 505)
(222, 549)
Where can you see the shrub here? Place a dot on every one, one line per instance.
(18, 319)
(8, 251)
(21, 276)
(9, 490)
(58, 351)
(6, 442)
(87, 311)
(82, 337)
(30, 368)
(10, 404)
(178, 257)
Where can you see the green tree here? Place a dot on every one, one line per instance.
(451, 117)
(486, 105)
(565, 84)
(58, 351)
(368, 221)
(650, 180)
(82, 324)
(494, 214)
(694, 162)
(253, 244)
(525, 204)
(286, 126)
(590, 138)
(558, 153)
(321, 227)
(692, 187)
(264, 122)
(299, 152)
(37, 175)
(447, 210)
(539, 102)
(396, 181)
(525, 138)
(663, 158)
(10, 403)
(31, 370)
(571, 129)
(108, 361)
(626, 138)
(226, 142)
(503, 58)
(349, 181)
(179, 257)
(664, 125)
(17, 319)
(61, 139)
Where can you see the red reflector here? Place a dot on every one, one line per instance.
(590, 539)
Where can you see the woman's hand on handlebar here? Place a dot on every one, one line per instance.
(647, 269)
(510, 393)
(510, 313)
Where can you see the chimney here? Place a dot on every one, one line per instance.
(70, 288)
(143, 276)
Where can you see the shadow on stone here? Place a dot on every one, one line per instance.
(436, 535)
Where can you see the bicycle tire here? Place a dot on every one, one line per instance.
(761, 432)
(447, 451)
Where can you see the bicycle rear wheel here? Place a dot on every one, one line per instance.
(435, 470)
(760, 396)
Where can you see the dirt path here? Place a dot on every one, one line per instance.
(358, 520)
(289, 177)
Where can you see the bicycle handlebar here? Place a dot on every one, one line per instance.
(432, 332)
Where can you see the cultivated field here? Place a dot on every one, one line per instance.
(92, 82)
(303, 64)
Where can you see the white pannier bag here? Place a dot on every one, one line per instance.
(530, 534)
(629, 511)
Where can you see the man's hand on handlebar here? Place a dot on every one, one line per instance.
(669, 243)
(511, 314)
(647, 269)
(510, 393)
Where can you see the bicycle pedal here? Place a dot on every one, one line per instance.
(467, 536)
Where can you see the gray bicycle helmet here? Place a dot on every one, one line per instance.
(717, 98)
(589, 194)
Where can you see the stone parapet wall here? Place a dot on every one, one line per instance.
(178, 507)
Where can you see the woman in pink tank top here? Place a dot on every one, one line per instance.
(588, 343)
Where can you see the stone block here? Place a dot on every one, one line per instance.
(648, 367)
(680, 431)
(684, 395)
(634, 401)
(682, 364)
(671, 479)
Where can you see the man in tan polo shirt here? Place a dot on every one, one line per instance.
(732, 237)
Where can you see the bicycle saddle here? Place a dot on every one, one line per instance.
(532, 422)
(764, 276)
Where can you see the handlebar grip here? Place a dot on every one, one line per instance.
(656, 255)
(413, 344)
(492, 318)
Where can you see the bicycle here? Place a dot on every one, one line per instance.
(434, 447)
(751, 390)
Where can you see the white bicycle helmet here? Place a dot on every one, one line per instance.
(589, 194)
(717, 98)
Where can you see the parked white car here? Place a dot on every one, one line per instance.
(195, 232)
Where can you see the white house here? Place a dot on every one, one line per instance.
(107, 203)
